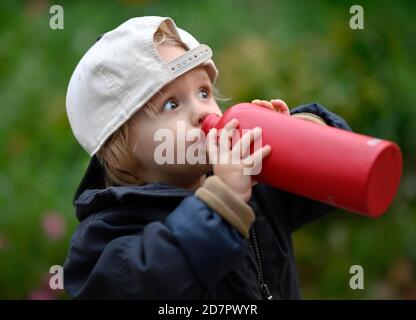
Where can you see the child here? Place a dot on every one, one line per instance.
(174, 231)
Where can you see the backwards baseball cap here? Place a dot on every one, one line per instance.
(121, 72)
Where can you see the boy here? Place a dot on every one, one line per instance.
(174, 231)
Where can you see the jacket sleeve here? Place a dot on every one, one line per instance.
(330, 118)
(182, 257)
(302, 210)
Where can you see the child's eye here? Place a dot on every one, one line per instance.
(170, 105)
(203, 93)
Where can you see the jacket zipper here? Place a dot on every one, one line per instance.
(259, 266)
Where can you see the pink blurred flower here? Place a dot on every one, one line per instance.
(44, 291)
(42, 294)
(54, 225)
(36, 8)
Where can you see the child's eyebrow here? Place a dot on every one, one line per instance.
(161, 94)
(203, 75)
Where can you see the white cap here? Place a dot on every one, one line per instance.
(121, 72)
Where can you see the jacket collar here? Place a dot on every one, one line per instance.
(93, 178)
(92, 195)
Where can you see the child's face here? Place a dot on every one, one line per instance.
(187, 100)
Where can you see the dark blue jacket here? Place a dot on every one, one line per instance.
(157, 241)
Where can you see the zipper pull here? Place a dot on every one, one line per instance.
(266, 291)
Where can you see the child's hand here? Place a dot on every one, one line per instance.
(232, 172)
(274, 104)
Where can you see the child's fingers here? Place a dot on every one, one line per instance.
(231, 124)
(257, 157)
(274, 104)
(263, 103)
(281, 106)
(242, 147)
(226, 134)
(211, 144)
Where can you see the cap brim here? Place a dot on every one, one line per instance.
(94, 177)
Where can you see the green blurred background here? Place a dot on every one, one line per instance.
(300, 51)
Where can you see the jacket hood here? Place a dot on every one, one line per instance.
(93, 196)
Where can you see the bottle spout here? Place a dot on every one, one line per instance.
(210, 122)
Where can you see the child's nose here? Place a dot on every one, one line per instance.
(202, 117)
(199, 115)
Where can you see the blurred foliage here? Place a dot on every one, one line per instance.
(300, 51)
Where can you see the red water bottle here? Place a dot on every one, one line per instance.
(338, 167)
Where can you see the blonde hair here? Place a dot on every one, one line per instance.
(117, 157)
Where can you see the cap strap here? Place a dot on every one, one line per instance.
(190, 60)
